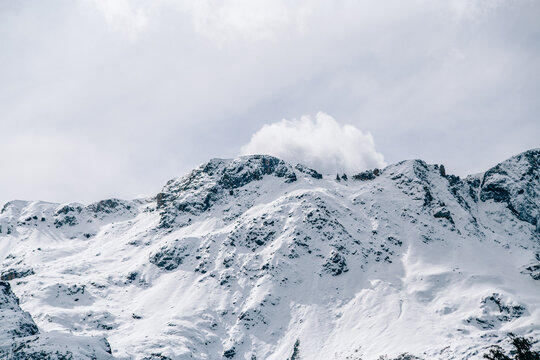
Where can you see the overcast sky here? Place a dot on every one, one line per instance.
(113, 98)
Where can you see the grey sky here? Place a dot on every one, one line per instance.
(112, 98)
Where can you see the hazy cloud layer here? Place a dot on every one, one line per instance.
(103, 97)
(321, 143)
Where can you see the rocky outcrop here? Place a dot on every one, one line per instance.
(109, 206)
(336, 264)
(444, 214)
(305, 170)
(171, 256)
(496, 311)
(241, 258)
(16, 323)
(366, 175)
(11, 274)
(516, 183)
(215, 180)
(21, 339)
(533, 271)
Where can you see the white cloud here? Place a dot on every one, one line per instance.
(152, 88)
(232, 21)
(227, 21)
(472, 9)
(128, 17)
(322, 143)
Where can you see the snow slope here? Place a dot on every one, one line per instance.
(253, 258)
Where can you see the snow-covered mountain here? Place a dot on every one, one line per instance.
(254, 258)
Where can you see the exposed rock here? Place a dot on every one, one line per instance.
(172, 255)
(109, 206)
(235, 230)
(66, 220)
(533, 271)
(156, 356)
(203, 187)
(365, 176)
(252, 317)
(169, 258)
(444, 214)
(495, 311)
(15, 322)
(159, 200)
(516, 183)
(442, 170)
(406, 356)
(296, 351)
(72, 215)
(453, 179)
(11, 274)
(229, 353)
(305, 170)
(66, 209)
(336, 264)
(255, 233)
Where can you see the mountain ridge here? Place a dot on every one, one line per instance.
(291, 261)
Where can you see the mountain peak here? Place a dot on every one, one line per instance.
(516, 182)
(256, 258)
(216, 179)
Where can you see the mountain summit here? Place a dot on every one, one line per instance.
(254, 258)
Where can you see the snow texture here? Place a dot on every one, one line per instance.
(254, 258)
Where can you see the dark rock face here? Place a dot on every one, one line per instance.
(365, 175)
(533, 271)
(171, 256)
(64, 210)
(296, 351)
(516, 183)
(305, 170)
(71, 215)
(66, 220)
(444, 214)
(21, 354)
(211, 182)
(336, 264)
(406, 356)
(414, 181)
(453, 180)
(252, 317)
(442, 171)
(157, 356)
(473, 184)
(159, 200)
(20, 338)
(15, 322)
(257, 233)
(11, 274)
(168, 259)
(108, 206)
(238, 174)
(230, 353)
(67, 215)
(496, 311)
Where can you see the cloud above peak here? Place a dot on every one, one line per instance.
(321, 143)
